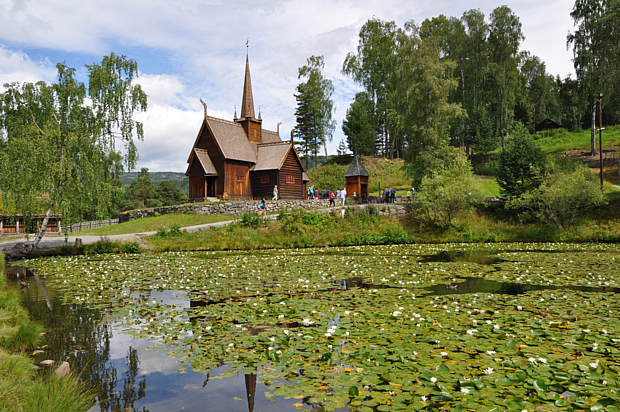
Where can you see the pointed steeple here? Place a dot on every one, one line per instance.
(247, 103)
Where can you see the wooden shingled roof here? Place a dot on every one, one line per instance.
(356, 168)
(270, 137)
(271, 155)
(231, 140)
(205, 162)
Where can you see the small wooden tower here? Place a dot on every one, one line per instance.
(357, 179)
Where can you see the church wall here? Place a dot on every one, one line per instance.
(291, 167)
(237, 189)
(265, 189)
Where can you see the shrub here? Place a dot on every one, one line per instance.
(172, 231)
(561, 198)
(293, 222)
(445, 197)
(103, 245)
(130, 247)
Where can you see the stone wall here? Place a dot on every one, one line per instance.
(231, 208)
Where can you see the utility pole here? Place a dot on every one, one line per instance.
(600, 134)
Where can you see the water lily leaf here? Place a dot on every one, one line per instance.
(540, 386)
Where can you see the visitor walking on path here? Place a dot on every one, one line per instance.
(332, 196)
(263, 208)
(392, 195)
(343, 195)
(275, 192)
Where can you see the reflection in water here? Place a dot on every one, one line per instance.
(480, 257)
(123, 373)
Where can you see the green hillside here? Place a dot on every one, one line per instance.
(178, 178)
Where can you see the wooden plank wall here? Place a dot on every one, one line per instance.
(236, 190)
(196, 187)
(207, 142)
(291, 166)
(263, 190)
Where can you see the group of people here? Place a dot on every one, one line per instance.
(389, 196)
(340, 194)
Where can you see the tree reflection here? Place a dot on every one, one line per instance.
(78, 334)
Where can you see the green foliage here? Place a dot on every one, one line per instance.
(328, 176)
(292, 223)
(521, 166)
(59, 144)
(174, 231)
(130, 247)
(357, 125)
(450, 194)
(25, 338)
(249, 218)
(562, 197)
(315, 126)
(169, 194)
(103, 245)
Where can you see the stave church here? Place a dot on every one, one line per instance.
(239, 160)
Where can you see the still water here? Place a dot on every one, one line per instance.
(126, 373)
(130, 374)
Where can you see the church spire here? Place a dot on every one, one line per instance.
(247, 103)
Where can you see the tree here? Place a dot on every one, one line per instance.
(521, 166)
(425, 112)
(169, 194)
(315, 107)
(59, 138)
(595, 55)
(505, 37)
(374, 67)
(450, 193)
(357, 125)
(562, 197)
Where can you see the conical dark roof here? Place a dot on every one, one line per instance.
(356, 168)
(247, 102)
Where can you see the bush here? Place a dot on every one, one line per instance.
(293, 222)
(172, 231)
(103, 245)
(249, 218)
(561, 198)
(445, 197)
(130, 247)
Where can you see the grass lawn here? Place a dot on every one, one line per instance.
(489, 185)
(148, 224)
(556, 142)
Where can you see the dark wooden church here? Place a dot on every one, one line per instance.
(240, 160)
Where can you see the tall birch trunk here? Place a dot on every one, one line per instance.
(46, 219)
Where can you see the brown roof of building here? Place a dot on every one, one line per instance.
(232, 140)
(205, 162)
(271, 155)
(356, 168)
(270, 137)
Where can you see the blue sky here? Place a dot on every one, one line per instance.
(194, 49)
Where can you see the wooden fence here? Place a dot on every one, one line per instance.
(76, 227)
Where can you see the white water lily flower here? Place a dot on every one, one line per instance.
(531, 359)
(396, 313)
(433, 379)
(488, 371)
(489, 322)
(444, 353)
(496, 327)
(594, 365)
(208, 328)
(272, 339)
(280, 316)
(542, 360)
(491, 352)
(307, 322)
(424, 398)
(519, 308)
(465, 391)
(328, 334)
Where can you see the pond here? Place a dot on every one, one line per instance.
(410, 327)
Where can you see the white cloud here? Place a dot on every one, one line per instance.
(16, 66)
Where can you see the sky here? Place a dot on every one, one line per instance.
(192, 49)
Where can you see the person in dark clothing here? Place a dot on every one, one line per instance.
(332, 196)
(392, 195)
(322, 193)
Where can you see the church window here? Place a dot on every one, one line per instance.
(290, 179)
(264, 179)
(239, 179)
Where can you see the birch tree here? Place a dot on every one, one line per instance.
(60, 140)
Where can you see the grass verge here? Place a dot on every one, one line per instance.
(148, 224)
(359, 227)
(21, 389)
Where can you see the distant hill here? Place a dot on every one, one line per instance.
(178, 178)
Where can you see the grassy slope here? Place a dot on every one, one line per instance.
(556, 142)
(20, 388)
(148, 224)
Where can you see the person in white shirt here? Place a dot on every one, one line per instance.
(275, 192)
(343, 195)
